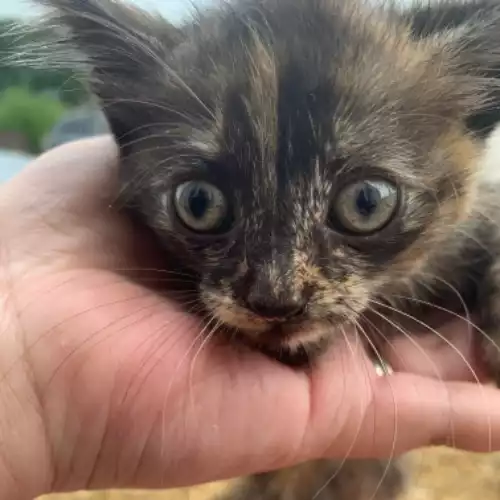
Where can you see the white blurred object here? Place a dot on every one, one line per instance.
(12, 162)
(382, 368)
(490, 169)
(79, 123)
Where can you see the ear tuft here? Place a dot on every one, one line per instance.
(466, 34)
(120, 51)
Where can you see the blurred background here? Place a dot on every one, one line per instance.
(42, 109)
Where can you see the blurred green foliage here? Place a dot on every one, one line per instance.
(13, 35)
(30, 113)
(32, 100)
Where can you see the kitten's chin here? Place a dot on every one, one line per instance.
(297, 353)
(301, 357)
(295, 345)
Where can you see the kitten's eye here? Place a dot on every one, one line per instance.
(201, 206)
(365, 206)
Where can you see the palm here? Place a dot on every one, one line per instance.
(130, 390)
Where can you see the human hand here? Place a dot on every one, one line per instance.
(106, 384)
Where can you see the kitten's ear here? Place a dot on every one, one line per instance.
(467, 37)
(122, 51)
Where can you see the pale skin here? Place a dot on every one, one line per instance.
(103, 384)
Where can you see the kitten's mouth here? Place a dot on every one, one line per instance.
(296, 343)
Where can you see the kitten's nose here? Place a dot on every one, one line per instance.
(274, 309)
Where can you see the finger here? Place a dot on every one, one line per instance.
(428, 412)
(361, 415)
(409, 412)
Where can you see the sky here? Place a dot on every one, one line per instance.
(174, 10)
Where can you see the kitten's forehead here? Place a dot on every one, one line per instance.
(298, 95)
(275, 125)
(295, 104)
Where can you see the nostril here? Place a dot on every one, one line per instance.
(272, 309)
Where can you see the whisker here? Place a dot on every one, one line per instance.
(348, 453)
(413, 342)
(151, 270)
(470, 324)
(147, 126)
(194, 308)
(423, 324)
(394, 440)
(175, 372)
(88, 341)
(445, 340)
(141, 376)
(208, 338)
(458, 295)
(53, 329)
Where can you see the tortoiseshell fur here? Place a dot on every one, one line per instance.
(279, 103)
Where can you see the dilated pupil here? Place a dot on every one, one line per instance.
(367, 200)
(199, 202)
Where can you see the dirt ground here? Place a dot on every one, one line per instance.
(438, 474)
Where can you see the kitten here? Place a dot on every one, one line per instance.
(308, 161)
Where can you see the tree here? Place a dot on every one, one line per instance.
(29, 113)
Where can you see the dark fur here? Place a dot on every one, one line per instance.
(280, 103)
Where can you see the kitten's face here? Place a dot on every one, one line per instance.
(293, 238)
(303, 159)
(311, 183)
